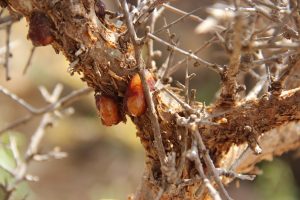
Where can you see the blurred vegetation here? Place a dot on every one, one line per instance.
(277, 181)
(7, 160)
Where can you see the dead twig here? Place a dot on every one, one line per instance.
(49, 108)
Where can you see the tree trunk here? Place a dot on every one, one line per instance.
(105, 57)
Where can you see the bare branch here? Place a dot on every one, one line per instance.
(154, 120)
(209, 163)
(29, 60)
(215, 67)
(50, 108)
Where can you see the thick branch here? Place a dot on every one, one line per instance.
(250, 120)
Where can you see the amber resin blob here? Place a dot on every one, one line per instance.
(135, 98)
(108, 110)
(40, 29)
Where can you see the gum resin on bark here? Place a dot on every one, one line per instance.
(40, 29)
(108, 110)
(135, 97)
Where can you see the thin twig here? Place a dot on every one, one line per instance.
(209, 163)
(253, 93)
(177, 21)
(35, 140)
(212, 66)
(184, 143)
(8, 53)
(152, 112)
(193, 17)
(29, 60)
(167, 64)
(179, 63)
(232, 174)
(49, 108)
(193, 155)
(14, 149)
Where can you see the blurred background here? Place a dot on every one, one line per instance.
(107, 163)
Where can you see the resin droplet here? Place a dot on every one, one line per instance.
(135, 98)
(40, 29)
(108, 110)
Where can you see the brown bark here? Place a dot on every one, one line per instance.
(107, 62)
